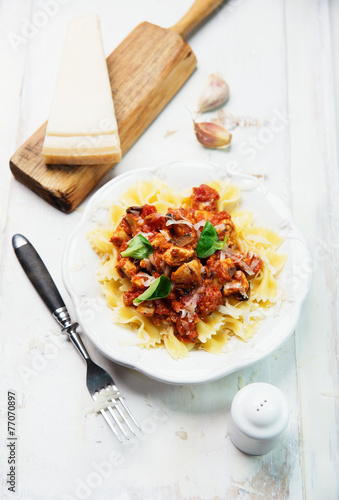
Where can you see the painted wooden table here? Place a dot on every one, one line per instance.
(280, 59)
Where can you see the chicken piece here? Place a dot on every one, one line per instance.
(175, 256)
(210, 297)
(221, 271)
(203, 215)
(146, 308)
(160, 243)
(140, 279)
(224, 225)
(146, 264)
(187, 275)
(128, 268)
(122, 233)
(205, 198)
(239, 287)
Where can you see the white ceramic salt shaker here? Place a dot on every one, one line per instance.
(259, 415)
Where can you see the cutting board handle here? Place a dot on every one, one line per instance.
(197, 13)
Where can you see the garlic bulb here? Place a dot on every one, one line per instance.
(212, 135)
(214, 95)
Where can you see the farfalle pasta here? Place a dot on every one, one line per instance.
(186, 270)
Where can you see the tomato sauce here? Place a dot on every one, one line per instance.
(198, 285)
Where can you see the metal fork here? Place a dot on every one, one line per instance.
(116, 412)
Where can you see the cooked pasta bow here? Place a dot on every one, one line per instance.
(186, 270)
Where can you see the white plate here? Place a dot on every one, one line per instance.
(95, 318)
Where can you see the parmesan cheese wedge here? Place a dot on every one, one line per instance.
(82, 128)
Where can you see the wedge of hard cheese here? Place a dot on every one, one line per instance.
(82, 128)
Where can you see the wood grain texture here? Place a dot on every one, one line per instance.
(315, 181)
(195, 15)
(146, 70)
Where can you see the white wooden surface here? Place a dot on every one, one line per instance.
(280, 58)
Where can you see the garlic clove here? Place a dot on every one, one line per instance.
(212, 135)
(214, 95)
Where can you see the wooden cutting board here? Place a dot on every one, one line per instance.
(146, 70)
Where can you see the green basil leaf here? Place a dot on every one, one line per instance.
(209, 242)
(138, 248)
(159, 289)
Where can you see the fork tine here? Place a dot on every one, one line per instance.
(116, 419)
(115, 412)
(124, 419)
(129, 413)
(125, 407)
(103, 413)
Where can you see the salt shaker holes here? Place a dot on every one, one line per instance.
(259, 415)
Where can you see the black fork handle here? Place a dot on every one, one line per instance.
(37, 273)
(42, 281)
